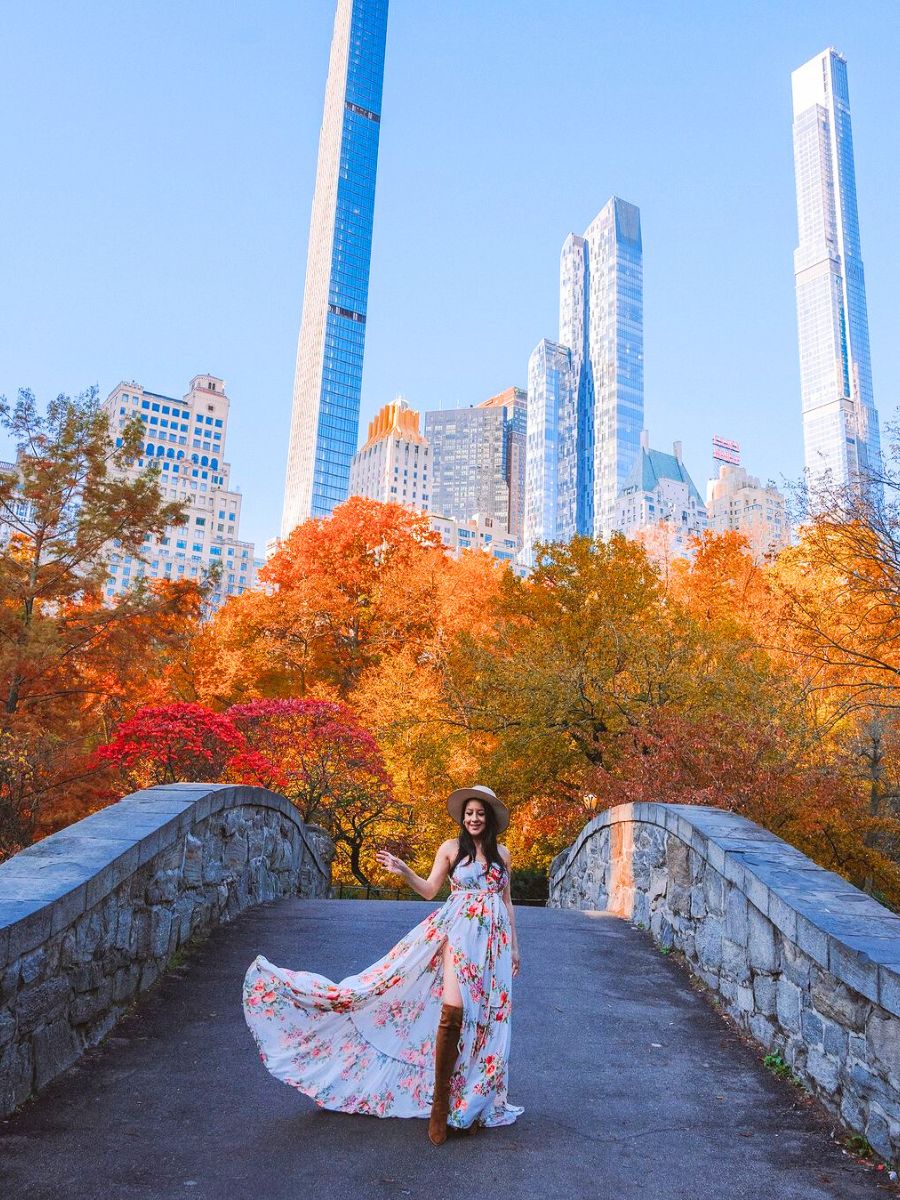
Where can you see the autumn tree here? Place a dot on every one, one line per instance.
(181, 743)
(340, 595)
(63, 506)
(322, 758)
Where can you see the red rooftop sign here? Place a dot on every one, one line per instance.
(725, 451)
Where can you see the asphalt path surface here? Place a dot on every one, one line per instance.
(633, 1086)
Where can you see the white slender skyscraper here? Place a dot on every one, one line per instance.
(840, 423)
(328, 376)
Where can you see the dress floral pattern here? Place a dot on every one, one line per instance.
(366, 1044)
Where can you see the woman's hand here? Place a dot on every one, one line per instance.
(391, 862)
(515, 961)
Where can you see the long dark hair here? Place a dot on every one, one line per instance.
(467, 851)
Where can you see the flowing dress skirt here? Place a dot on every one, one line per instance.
(366, 1044)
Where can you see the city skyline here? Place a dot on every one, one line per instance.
(841, 439)
(157, 282)
(331, 346)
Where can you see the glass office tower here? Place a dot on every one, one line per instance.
(550, 488)
(602, 322)
(840, 423)
(328, 376)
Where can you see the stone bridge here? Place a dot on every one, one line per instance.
(634, 1085)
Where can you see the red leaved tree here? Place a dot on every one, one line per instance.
(324, 760)
(181, 743)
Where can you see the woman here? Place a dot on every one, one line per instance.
(425, 1030)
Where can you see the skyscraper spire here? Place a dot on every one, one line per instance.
(840, 423)
(328, 376)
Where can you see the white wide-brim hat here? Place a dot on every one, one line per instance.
(456, 804)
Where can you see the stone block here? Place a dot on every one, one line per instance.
(745, 1000)
(9, 982)
(889, 988)
(883, 1043)
(878, 1133)
(42, 1004)
(192, 871)
(857, 1047)
(833, 999)
(122, 940)
(812, 1028)
(824, 1070)
(787, 1005)
(236, 852)
(795, 965)
(87, 976)
(7, 1027)
(736, 924)
(853, 1110)
(160, 928)
(854, 968)
(708, 941)
(125, 983)
(835, 1040)
(761, 947)
(16, 1075)
(782, 915)
(162, 888)
(714, 891)
(87, 1007)
(812, 940)
(763, 1030)
(764, 994)
(734, 961)
(33, 966)
(56, 1047)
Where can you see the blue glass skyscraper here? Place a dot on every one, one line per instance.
(841, 438)
(328, 376)
(586, 392)
(601, 319)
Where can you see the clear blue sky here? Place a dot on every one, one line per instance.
(158, 166)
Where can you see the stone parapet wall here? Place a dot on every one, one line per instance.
(803, 961)
(90, 916)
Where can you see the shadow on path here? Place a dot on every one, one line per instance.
(633, 1088)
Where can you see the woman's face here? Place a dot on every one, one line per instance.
(473, 818)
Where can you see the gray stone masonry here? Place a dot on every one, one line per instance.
(804, 962)
(90, 916)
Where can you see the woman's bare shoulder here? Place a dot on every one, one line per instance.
(504, 853)
(448, 849)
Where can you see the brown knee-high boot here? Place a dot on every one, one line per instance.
(445, 1054)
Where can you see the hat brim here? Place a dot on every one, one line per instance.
(456, 804)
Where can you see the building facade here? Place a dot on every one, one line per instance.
(737, 501)
(478, 533)
(550, 485)
(185, 439)
(601, 320)
(840, 423)
(660, 496)
(514, 402)
(394, 464)
(478, 460)
(328, 375)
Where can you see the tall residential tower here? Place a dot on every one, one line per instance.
(328, 376)
(840, 422)
(586, 392)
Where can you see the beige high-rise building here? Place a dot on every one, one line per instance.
(738, 501)
(660, 499)
(394, 463)
(185, 439)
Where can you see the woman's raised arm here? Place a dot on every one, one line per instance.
(427, 888)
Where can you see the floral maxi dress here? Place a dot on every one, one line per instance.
(366, 1044)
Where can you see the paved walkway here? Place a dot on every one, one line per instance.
(633, 1087)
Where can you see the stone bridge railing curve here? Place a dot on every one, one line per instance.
(90, 916)
(804, 962)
